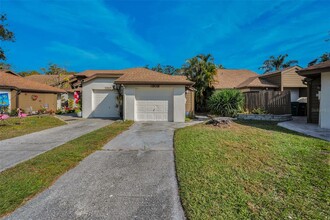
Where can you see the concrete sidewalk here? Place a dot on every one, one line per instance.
(133, 177)
(19, 149)
(299, 124)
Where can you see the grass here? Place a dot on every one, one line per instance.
(11, 127)
(252, 170)
(187, 119)
(22, 182)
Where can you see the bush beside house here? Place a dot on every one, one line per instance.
(227, 102)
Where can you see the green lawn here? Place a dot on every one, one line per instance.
(11, 127)
(20, 183)
(252, 170)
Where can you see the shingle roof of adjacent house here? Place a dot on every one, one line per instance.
(324, 66)
(10, 80)
(138, 76)
(51, 80)
(256, 82)
(229, 78)
(279, 71)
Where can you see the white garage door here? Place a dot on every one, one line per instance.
(104, 104)
(154, 104)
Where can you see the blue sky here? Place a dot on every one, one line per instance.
(98, 34)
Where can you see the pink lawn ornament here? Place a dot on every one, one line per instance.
(3, 117)
(21, 114)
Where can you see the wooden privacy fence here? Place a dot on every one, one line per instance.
(273, 102)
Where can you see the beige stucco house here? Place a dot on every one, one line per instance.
(317, 78)
(59, 81)
(28, 95)
(146, 95)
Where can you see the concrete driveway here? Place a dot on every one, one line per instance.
(299, 124)
(19, 149)
(133, 177)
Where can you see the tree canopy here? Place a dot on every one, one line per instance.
(167, 69)
(5, 34)
(54, 69)
(201, 70)
(324, 57)
(4, 66)
(277, 63)
(28, 73)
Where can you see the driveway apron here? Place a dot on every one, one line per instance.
(19, 149)
(133, 177)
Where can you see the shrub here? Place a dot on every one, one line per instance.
(13, 112)
(70, 103)
(59, 112)
(259, 111)
(77, 109)
(228, 102)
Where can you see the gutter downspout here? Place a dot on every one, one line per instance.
(18, 92)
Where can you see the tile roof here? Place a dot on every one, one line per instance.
(9, 80)
(141, 76)
(230, 78)
(51, 80)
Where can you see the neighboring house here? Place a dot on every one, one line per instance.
(26, 94)
(59, 81)
(244, 80)
(318, 95)
(247, 81)
(288, 80)
(146, 95)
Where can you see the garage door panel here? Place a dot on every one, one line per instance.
(104, 104)
(154, 104)
(141, 108)
(161, 117)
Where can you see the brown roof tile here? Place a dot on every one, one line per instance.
(51, 80)
(229, 78)
(137, 76)
(90, 73)
(324, 66)
(74, 90)
(279, 71)
(8, 80)
(256, 82)
(146, 76)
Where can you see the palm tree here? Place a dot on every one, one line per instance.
(201, 70)
(277, 63)
(220, 66)
(325, 57)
